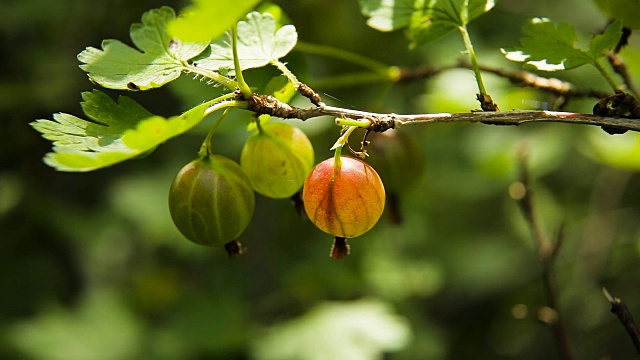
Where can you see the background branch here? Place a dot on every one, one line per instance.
(626, 319)
(547, 253)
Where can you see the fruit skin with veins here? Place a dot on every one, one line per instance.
(345, 200)
(211, 200)
(277, 159)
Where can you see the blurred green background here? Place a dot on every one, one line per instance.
(92, 267)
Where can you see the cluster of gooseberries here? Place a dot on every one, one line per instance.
(211, 199)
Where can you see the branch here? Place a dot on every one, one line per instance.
(263, 104)
(620, 68)
(547, 253)
(626, 319)
(552, 85)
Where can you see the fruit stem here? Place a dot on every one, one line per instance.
(205, 148)
(337, 162)
(259, 126)
(342, 140)
(362, 123)
(340, 248)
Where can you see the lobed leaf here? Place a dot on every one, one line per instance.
(157, 60)
(115, 132)
(439, 17)
(551, 47)
(607, 40)
(206, 20)
(259, 43)
(387, 15)
(428, 20)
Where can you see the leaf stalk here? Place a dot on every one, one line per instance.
(242, 85)
(474, 59)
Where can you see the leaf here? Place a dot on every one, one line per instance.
(102, 326)
(427, 20)
(607, 40)
(439, 17)
(115, 132)
(206, 20)
(549, 47)
(356, 330)
(259, 42)
(387, 15)
(157, 61)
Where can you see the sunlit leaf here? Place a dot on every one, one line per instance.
(157, 60)
(550, 47)
(259, 42)
(206, 20)
(101, 327)
(427, 20)
(115, 132)
(360, 330)
(387, 15)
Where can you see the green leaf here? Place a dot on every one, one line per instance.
(259, 42)
(157, 61)
(428, 20)
(607, 40)
(85, 331)
(387, 15)
(115, 132)
(549, 47)
(207, 20)
(362, 329)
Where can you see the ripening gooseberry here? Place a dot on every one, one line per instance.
(277, 159)
(211, 201)
(344, 199)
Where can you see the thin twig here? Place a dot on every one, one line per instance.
(552, 85)
(546, 256)
(620, 68)
(261, 104)
(626, 319)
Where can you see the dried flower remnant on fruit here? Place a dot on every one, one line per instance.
(234, 249)
(340, 248)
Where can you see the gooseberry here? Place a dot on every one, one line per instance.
(344, 197)
(277, 159)
(211, 201)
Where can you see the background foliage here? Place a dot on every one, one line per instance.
(93, 268)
